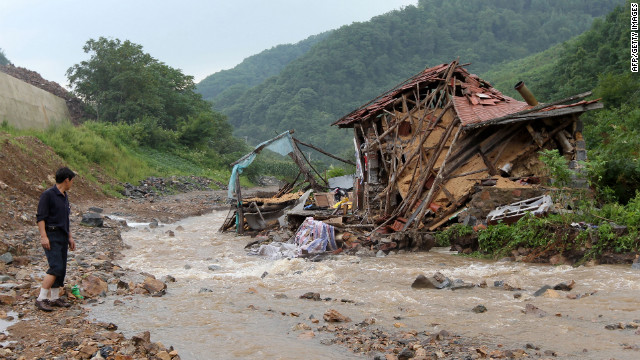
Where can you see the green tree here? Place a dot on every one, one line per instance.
(3, 58)
(124, 84)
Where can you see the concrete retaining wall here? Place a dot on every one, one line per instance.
(25, 106)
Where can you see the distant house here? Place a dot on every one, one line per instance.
(425, 146)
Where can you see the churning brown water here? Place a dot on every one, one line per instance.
(242, 316)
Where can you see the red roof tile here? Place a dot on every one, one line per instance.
(480, 101)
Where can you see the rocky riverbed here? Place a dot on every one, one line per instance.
(67, 333)
(71, 334)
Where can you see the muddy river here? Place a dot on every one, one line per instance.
(227, 304)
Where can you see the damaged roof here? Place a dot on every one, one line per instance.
(476, 102)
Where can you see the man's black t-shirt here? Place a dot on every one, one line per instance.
(54, 209)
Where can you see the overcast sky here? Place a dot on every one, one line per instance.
(198, 36)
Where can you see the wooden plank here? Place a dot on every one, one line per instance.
(536, 136)
(422, 208)
(492, 169)
(240, 222)
(466, 174)
(324, 152)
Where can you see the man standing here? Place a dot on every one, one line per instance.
(55, 238)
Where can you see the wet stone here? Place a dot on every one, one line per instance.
(92, 220)
(406, 354)
(479, 309)
(311, 296)
(530, 309)
(542, 290)
(6, 258)
(565, 286)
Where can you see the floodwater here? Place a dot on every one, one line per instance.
(245, 314)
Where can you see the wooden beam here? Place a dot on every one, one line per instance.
(324, 152)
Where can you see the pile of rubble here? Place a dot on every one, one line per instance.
(75, 105)
(157, 186)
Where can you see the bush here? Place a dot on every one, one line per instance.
(444, 238)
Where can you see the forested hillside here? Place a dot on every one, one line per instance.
(255, 69)
(357, 62)
(597, 60)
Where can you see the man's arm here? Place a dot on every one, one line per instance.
(44, 239)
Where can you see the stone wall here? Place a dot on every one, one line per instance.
(25, 106)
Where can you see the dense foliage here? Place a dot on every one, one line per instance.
(597, 60)
(125, 85)
(255, 69)
(358, 62)
(3, 58)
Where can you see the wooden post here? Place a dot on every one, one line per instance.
(240, 213)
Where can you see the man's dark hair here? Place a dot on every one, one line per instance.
(64, 173)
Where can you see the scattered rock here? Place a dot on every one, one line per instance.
(478, 309)
(6, 258)
(93, 286)
(530, 309)
(552, 294)
(154, 286)
(334, 316)
(438, 281)
(542, 290)
(406, 354)
(311, 296)
(214, 267)
(565, 286)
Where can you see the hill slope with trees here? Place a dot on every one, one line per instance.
(357, 62)
(255, 69)
(599, 61)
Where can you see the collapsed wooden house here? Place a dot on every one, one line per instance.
(423, 146)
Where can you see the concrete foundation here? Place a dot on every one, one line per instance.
(25, 106)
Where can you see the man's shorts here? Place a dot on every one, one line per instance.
(57, 255)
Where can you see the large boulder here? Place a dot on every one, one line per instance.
(437, 281)
(154, 286)
(92, 219)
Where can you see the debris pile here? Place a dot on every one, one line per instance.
(426, 146)
(156, 186)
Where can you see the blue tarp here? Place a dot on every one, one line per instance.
(283, 145)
